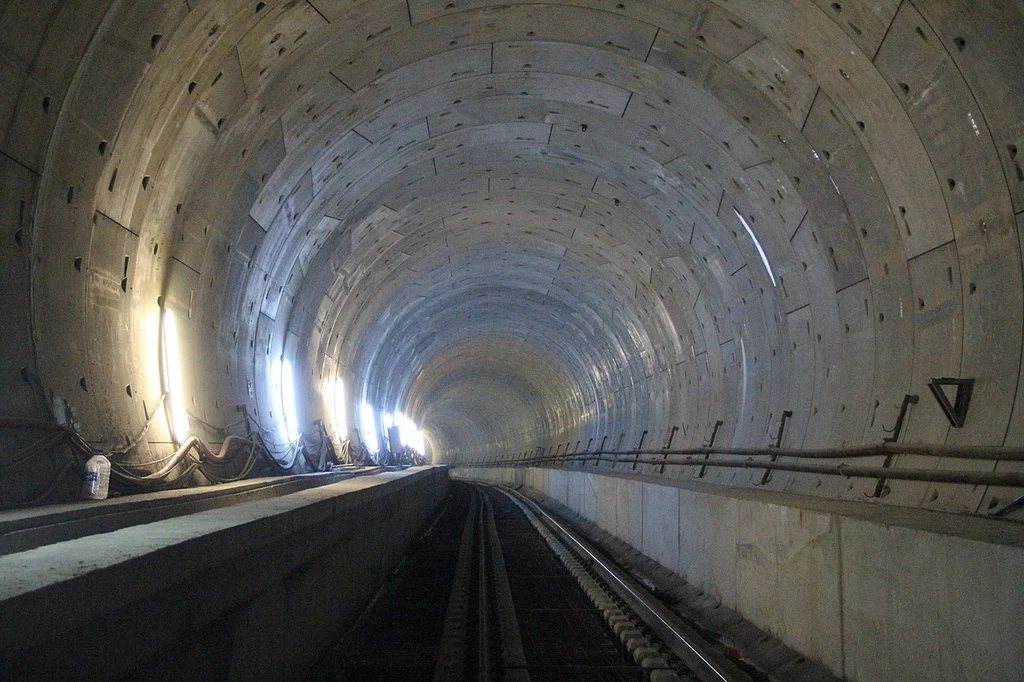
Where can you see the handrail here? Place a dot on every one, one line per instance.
(974, 452)
(999, 478)
(719, 457)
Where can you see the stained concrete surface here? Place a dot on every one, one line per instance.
(207, 594)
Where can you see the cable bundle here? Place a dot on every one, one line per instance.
(308, 453)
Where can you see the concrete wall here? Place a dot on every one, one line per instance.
(254, 591)
(875, 593)
(519, 221)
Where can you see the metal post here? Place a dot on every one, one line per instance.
(618, 447)
(711, 444)
(668, 446)
(786, 415)
(244, 409)
(908, 400)
(639, 447)
(600, 450)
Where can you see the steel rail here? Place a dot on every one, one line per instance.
(483, 614)
(451, 655)
(690, 647)
(511, 642)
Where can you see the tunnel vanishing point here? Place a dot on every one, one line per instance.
(738, 281)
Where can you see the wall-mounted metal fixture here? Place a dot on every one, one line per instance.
(908, 400)
(786, 415)
(955, 410)
(711, 444)
(1012, 506)
(600, 449)
(748, 458)
(639, 447)
(668, 445)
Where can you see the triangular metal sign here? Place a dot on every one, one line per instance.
(955, 410)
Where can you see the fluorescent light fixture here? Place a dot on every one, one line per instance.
(277, 407)
(172, 379)
(760, 251)
(369, 422)
(418, 443)
(330, 401)
(340, 419)
(407, 430)
(289, 412)
(409, 434)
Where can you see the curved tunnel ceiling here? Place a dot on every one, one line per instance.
(526, 224)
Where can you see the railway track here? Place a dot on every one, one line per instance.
(500, 590)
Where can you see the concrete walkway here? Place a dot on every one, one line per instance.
(204, 593)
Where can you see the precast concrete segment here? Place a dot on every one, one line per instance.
(228, 577)
(371, 189)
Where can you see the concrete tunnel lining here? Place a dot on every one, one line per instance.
(294, 178)
(531, 226)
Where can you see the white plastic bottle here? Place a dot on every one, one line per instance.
(97, 478)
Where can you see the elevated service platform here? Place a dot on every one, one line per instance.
(256, 587)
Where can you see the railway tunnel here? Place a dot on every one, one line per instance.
(732, 288)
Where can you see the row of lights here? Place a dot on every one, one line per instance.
(409, 434)
(283, 394)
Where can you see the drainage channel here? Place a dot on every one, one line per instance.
(492, 592)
